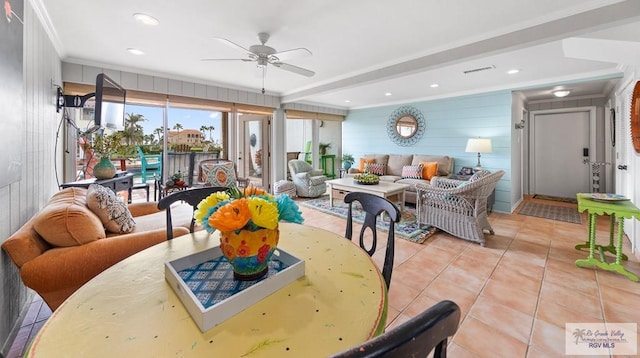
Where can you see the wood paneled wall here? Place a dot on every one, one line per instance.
(19, 201)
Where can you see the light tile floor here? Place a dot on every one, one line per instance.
(516, 294)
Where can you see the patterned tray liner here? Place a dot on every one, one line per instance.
(212, 281)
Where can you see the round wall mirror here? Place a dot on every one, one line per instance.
(635, 118)
(405, 126)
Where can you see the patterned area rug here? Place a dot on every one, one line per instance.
(407, 228)
(559, 213)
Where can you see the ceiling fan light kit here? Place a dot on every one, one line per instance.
(265, 55)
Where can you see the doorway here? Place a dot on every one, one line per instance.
(253, 148)
(562, 144)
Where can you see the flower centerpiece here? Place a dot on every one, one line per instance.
(248, 223)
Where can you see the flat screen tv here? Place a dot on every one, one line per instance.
(109, 104)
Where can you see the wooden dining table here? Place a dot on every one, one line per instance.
(130, 310)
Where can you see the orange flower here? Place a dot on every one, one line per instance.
(232, 216)
(252, 190)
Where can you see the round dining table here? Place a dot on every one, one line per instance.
(130, 310)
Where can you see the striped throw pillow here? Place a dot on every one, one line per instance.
(412, 172)
(375, 168)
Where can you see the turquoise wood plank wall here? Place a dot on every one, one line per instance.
(449, 123)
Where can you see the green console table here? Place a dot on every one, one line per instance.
(328, 165)
(619, 209)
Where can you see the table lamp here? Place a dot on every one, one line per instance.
(478, 145)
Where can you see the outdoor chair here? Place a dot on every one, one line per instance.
(192, 196)
(458, 207)
(220, 172)
(309, 182)
(374, 206)
(151, 164)
(426, 332)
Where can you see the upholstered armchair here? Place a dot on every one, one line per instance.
(309, 182)
(458, 207)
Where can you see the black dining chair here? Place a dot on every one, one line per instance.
(414, 338)
(373, 206)
(192, 196)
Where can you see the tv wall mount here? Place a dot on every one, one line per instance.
(72, 101)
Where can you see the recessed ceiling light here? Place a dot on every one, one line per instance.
(561, 93)
(513, 72)
(135, 51)
(387, 94)
(146, 19)
(347, 101)
(434, 85)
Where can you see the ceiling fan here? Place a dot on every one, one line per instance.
(264, 55)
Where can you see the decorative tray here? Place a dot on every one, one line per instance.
(204, 283)
(608, 197)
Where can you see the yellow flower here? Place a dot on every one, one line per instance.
(232, 216)
(204, 207)
(263, 213)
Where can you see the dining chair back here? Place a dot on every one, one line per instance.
(374, 206)
(150, 165)
(192, 196)
(426, 332)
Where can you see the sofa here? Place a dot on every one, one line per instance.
(392, 166)
(66, 243)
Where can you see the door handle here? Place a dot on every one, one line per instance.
(622, 167)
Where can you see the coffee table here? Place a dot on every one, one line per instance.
(394, 192)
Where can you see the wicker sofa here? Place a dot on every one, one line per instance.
(393, 164)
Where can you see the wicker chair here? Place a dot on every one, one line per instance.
(458, 207)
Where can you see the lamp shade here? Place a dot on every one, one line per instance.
(479, 145)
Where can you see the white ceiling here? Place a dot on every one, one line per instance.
(361, 49)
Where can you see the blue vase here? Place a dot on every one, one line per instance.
(104, 169)
(346, 165)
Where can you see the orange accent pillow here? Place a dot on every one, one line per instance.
(429, 170)
(364, 161)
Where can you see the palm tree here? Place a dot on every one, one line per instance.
(208, 128)
(178, 127)
(133, 132)
(159, 132)
(579, 333)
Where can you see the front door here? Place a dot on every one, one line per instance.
(560, 154)
(253, 149)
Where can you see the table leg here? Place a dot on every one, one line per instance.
(590, 260)
(330, 195)
(586, 244)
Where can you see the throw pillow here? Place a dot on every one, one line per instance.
(429, 170)
(375, 168)
(363, 163)
(412, 171)
(67, 221)
(219, 174)
(112, 211)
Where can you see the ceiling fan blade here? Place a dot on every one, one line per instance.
(293, 53)
(294, 69)
(232, 44)
(228, 59)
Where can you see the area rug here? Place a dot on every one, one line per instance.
(556, 198)
(553, 212)
(408, 227)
